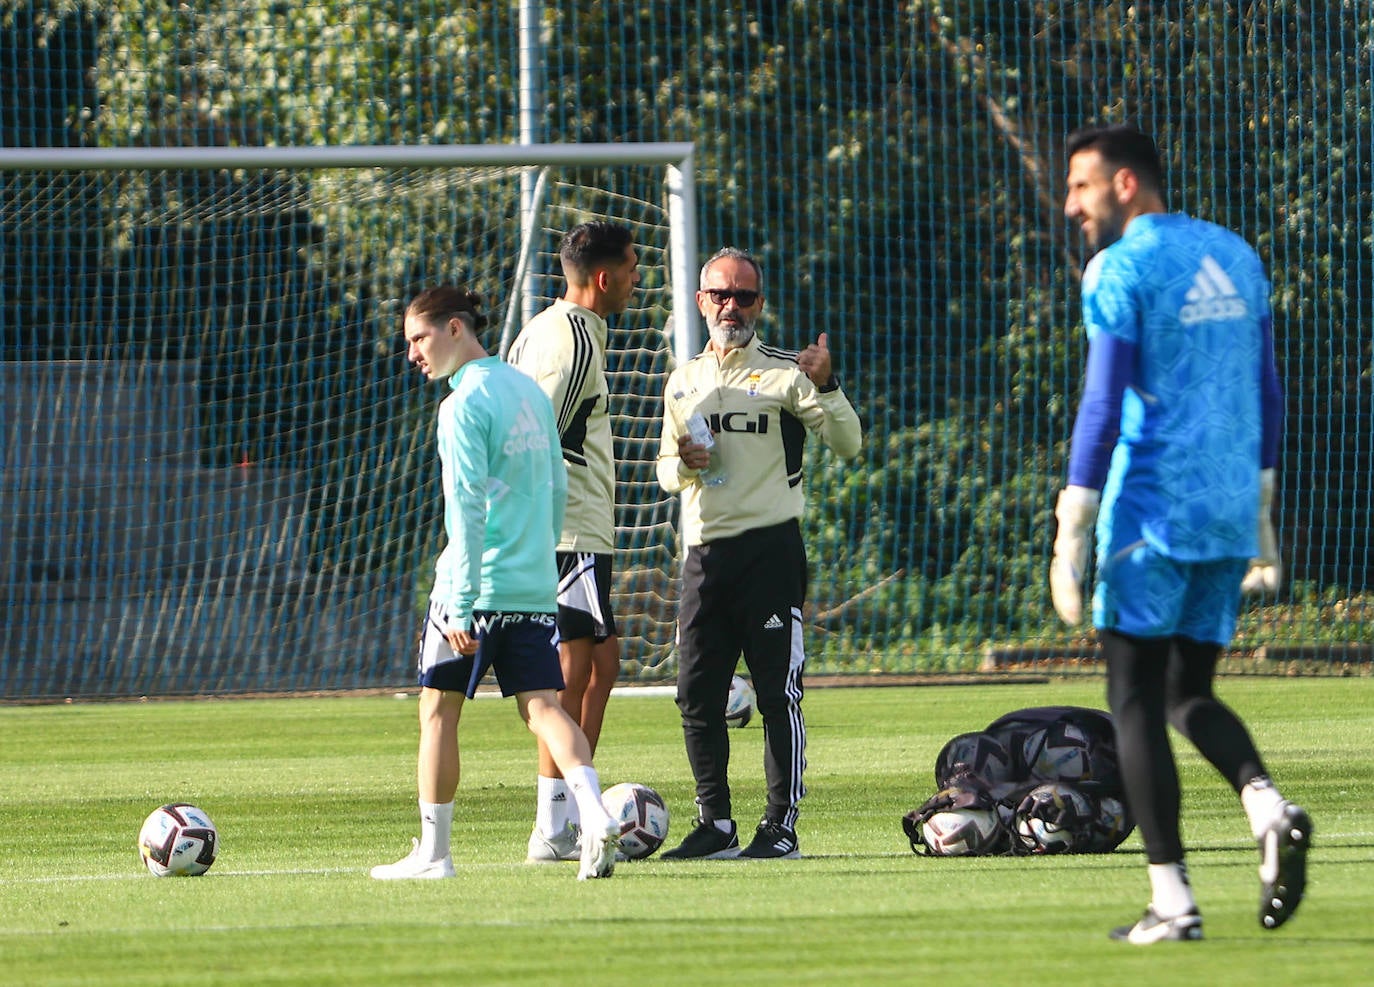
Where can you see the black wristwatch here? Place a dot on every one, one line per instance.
(832, 384)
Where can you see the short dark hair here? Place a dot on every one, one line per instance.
(1122, 146)
(590, 246)
(446, 301)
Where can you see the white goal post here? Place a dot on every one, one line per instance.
(219, 464)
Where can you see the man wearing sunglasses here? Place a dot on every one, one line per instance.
(744, 578)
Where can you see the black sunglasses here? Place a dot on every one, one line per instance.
(723, 295)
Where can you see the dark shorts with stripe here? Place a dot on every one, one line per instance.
(584, 596)
(520, 649)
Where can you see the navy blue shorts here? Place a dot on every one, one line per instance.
(521, 649)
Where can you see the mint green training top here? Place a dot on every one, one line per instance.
(505, 489)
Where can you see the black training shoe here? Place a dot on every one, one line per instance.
(1151, 928)
(772, 841)
(705, 842)
(1283, 865)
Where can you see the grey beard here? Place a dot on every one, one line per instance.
(729, 337)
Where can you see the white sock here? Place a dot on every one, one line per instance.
(554, 807)
(1170, 893)
(436, 829)
(1261, 800)
(565, 809)
(726, 826)
(586, 789)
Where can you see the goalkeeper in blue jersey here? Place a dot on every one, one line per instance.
(494, 597)
(1172, 461)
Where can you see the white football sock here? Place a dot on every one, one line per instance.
(565, 809)
(724, 825)
(554, 806)
(436, 829)
(1170, 893)
(586, 789)
(1262, 802)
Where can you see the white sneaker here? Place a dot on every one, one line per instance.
(414, 866)
(598, 851)
(549, 849)
(1152, 929)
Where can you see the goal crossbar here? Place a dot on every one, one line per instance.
(677, 153)
(676, 156)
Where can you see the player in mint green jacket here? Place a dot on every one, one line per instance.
(494, 597)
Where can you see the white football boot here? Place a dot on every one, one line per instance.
(414, 866)
(599, 846)
(1152, 929)
(566, 845)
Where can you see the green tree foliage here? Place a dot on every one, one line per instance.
(897, 167)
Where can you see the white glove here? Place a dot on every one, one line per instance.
(1076, 511)
(1265, 573)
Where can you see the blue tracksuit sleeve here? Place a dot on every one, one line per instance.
(1110, 360)
(1271, 399)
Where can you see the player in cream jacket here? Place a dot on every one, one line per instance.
(563, 349)
(745, 575)
(760, 405)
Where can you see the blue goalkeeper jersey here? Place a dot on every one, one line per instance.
(505, 488)
(1191, 302)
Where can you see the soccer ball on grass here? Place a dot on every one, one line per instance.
(178, 840)
(739, 704)
(642, 815)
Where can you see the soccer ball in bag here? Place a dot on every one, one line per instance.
(967, 832)
(739, 704)
(1112, 825)
(178, 840)
(642, 816)
(981, 753)
(1054, 818)
(1058, 752)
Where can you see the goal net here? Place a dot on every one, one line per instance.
(223, 470)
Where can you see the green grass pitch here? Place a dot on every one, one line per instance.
(309, 792)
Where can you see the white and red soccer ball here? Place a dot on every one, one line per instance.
(642, 815)
(178, 840)
(965, 832)
(1055, 818)
(739, 704)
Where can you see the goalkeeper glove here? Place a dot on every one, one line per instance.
(1264, 574)
(1076, 511)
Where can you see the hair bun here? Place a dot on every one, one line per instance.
(476, 310)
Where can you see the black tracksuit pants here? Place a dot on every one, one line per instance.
(744, 595)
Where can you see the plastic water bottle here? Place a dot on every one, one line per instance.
(700, 431)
